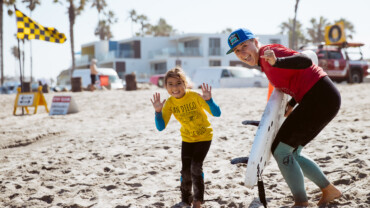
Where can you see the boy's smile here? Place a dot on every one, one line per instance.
(175, 87)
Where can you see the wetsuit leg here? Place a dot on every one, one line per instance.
(200, 152)
(291, 171)
(310, 169)
(186, 182)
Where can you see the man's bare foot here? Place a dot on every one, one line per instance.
(196, 204)
(329, 193)
(300, 204)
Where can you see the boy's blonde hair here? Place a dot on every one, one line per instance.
(176, 72)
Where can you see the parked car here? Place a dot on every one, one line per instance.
(9, 87)
(157, 79)
(229, 77)
(342, 62)
(114, 81)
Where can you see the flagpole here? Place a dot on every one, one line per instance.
(20, 70)
(20, 66)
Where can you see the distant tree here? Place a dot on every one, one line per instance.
(73, 12)
(145, 26)
(105, 20)
(348, 27)
(227, 31)
(294, 33)
(317, 30)
(15, 53)
(162, 28)
(103, 28)
(133, 17)
(7, 3)
(100, 5)
(31, 4)
(287, 28)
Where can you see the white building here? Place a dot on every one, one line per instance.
(147, 56)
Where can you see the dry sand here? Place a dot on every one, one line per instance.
(110, 154)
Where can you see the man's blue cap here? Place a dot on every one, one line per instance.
(238, 36)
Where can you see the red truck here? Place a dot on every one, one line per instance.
(343, 62)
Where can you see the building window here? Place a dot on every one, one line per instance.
(214, 47)
(272, 41)
(214, 63)
(160, 68)
(178, 62)
(129, 50)
(191, 48)
(121, 69)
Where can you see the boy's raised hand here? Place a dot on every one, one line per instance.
(157, 104)
(206, 92)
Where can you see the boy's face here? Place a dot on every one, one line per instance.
(247, 52)
(175, 87)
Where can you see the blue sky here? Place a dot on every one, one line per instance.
(191, 16)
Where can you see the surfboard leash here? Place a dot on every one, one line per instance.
(261, 188)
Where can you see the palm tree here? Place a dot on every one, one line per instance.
(287, 28)
(103, 28)
(294, 44)
(100, 5)
(73, 12)
(15, 52)
(7, 3)
(133, 17)
(144, 23)
(317, 30)
(349, 28)
(227, 31)
(162, 29)
(32, 6)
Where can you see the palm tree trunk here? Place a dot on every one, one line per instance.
(1, 44)
(72, 17)
(294, 44)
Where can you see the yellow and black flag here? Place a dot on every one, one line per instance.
(29, 29)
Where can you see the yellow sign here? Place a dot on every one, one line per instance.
(335, 34)
(30, 99)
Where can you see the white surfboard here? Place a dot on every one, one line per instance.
(312, 55)
(270, 123)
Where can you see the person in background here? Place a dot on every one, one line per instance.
(93, 73)
(188, 108)
(319, 101)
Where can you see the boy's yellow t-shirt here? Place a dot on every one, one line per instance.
(189, 111)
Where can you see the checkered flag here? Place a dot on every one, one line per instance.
(29, 29)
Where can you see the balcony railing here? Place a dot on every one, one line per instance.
(175, 52)
(83, 59)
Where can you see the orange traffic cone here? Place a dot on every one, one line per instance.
(271, 88)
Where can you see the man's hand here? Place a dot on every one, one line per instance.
(157, 104)
(269, 56)
(206, 91)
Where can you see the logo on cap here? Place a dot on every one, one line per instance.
(234, 38)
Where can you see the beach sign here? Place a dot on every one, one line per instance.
(62, 105)
(30, 99)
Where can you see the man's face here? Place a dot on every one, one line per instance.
(247, 52)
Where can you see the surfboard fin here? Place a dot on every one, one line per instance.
(251, 122)
(261, 192)
(239, 160)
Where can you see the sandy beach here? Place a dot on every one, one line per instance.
(110, 154)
